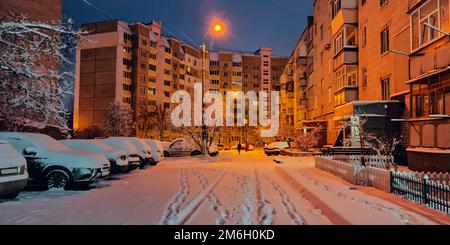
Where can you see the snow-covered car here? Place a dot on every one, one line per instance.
(13, 171)
(52, 163)
(130, 149)
(187, 147)
(117, 157)
(144, 150)
(275, 148)
(156, 148)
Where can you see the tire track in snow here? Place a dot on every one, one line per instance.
(223, 215)
(288, 206)
(265, 212)
(182, 216)
(173, 208)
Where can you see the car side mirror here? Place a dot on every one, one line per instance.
(30, 151)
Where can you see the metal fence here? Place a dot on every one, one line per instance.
(427, 192)
(422, 189)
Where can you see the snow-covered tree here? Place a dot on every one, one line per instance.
(32, 87)
(119, 120)
(309, 139)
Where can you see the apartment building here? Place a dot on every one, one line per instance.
(135, 64)
(383, 61)
(37, 10)
(429, 86)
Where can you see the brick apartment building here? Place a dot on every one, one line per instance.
(377, 60)
(137, 65)
(37, 10)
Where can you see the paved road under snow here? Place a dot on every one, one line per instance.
(229, 189)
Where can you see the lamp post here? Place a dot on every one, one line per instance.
(217, 29)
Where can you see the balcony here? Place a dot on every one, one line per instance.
(347, 56)
(344, 16)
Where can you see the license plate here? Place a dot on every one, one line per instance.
(9, 171)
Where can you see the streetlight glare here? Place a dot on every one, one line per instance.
(217, 27)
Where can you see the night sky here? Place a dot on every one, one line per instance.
(250, 23)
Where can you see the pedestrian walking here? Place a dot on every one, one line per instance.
(246, 146)
(239, 148)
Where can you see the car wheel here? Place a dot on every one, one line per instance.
(196, 153)
(153, 162)
(10, 195)
(57, 179)
(166, 154)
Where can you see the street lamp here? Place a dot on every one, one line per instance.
(217, 29)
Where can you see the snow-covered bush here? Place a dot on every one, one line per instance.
(32, 87)
(119, 120)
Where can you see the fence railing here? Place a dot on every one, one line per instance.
(424, 191)
(421, 189)
(370, 160)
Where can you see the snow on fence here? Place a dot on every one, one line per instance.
(421, 190)
(418, 187)
(370, 160)
(356, 174)
(437, 177)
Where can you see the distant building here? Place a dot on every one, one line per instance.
(137, 65)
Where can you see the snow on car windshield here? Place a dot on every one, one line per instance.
(47, 143)
(6, 150)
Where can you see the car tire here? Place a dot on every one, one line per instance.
(10, 195)
(166, 154)
(57, 179)
(196, 153)
(153, 163)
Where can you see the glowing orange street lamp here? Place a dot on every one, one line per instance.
(217, 28)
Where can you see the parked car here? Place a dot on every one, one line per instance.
(13, 171)
(52, 163)
(275, 148)
(156, 148)
(117, 157)
(144, 150)
(187, 147)
(131, 150)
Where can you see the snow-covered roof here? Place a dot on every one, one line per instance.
(237, 58)
(213, 56)
(153, 37)
(166, 43)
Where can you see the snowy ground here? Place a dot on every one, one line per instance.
(229, 189)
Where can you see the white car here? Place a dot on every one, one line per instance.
(187, 147)
(144, 151)
(130, 149)
(275, 148)
(117, 157)
(13, 171)
(52, 163)
(157, 149)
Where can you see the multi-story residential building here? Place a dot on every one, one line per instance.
(135, 64)
(36, 10)
(383, 61)
(429, 85)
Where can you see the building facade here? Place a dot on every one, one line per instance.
(137, 65)
(382, 61)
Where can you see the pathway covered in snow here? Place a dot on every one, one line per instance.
(229, 189)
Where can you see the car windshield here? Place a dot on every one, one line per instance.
(47, 143)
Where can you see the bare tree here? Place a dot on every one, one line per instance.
(195, 133)
(32, 87)
(155, 120)
(383, 144)
(308, 140)
(119, 120)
